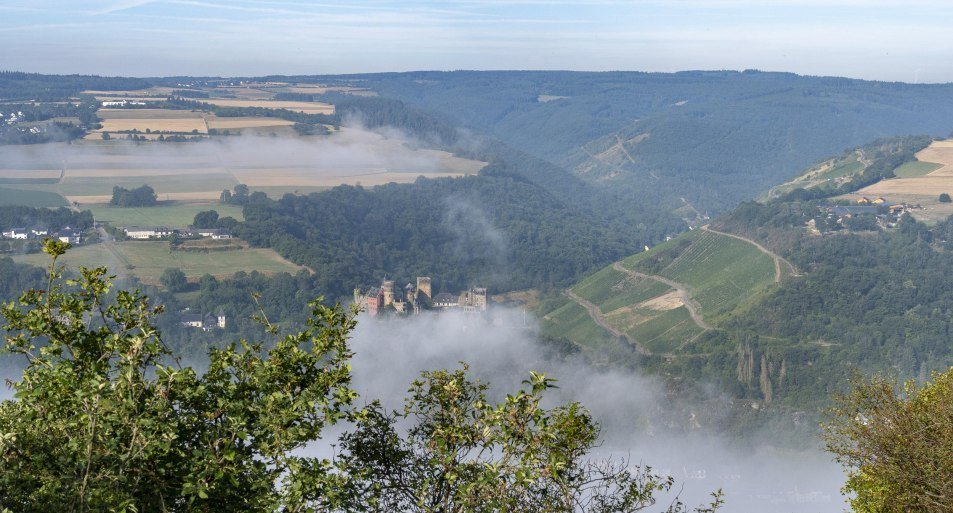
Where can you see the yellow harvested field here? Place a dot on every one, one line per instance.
(246, 122)
(180, 125)
(147, 114)
(940, 152)
(304, 107)
(923, 190)
(29, 173)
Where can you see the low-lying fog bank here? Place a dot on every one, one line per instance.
(501, 348)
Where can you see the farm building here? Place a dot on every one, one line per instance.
(148, 233)
(213, 233)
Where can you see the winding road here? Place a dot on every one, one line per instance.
(774, 256)
(690, 304)
(596, 316)
(693, 307)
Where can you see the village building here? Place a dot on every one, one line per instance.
(16, 234)
(205, 322)
(148, 233)
(212, 233)
(69, 236)
(445, 300)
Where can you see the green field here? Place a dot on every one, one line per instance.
(845, 167)
(147, 260)
(568, 320)
(723, 273)
(666, 332)
(103, 186)
(31, 198)
(174, 214)
(916, 169)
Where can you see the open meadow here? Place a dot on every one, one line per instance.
(173, 214)
(148, 259)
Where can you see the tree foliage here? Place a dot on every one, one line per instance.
(897, 445)
(105, 418)
(463, 453)
(143, 196)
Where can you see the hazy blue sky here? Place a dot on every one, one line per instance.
(906, 40)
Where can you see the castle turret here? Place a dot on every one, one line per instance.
(387, 287)
(423, 287)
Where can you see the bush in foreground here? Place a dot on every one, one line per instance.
(105, 419)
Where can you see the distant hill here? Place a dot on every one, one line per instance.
(788, 295)
(713, 138)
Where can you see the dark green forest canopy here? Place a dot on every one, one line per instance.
(495, 231)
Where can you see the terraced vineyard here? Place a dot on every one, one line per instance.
(715, 274)
(722, 273)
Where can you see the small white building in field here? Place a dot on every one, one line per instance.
(148, 233)
(16, 233)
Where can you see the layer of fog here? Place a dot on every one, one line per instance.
(634, 411)
(350, 151)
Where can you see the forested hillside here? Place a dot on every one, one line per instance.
(853, 292)
(714, 138)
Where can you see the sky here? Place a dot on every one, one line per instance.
(909, 40)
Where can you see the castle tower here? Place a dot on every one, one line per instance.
(387, 287)
(479, 298)
(423, 287)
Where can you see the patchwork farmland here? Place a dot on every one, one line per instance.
(920, 183)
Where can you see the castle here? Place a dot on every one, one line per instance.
(417, 297)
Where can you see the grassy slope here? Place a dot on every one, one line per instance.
(147, 260)
(175, 215)
(30, 198)
(724, 275)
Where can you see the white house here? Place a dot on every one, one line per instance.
(148, 233)
(69, 236)
(203, 322)
(214, 233)
(17, 233)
